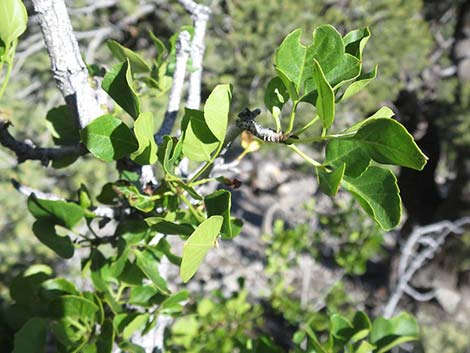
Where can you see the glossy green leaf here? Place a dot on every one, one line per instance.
(341, 328)
(66, 214)
(141, 295)
(290, 86)
(44, 230)
(137, 323)
(137, 200)
(172, 304)
(362, 326)
(325, 103)
(383, 113)
(359, 83)
(63, 126)
(356, 40)
(365, 347)
(163, 226)
(329, 181)
(73, 306)
(59, 286)
(295, 60)
(216, 110)
(198, 244)
(32, 337)
(121, 53)
(148, 263)
(387, 141)
(377, 192)
(164, 247)
(349, 152)
(387, 334)
(108, 138)
(276, 94)
(219, 203)
(13, 20)
(130, 347)
(118, 84)
(105, 340)
(198, 140)
(159, 46)
(144, 131)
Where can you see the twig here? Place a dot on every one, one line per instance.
(28, 151)
(200, 15)
(182, 54)
(68, 68)
(411, 260)
(27, 191)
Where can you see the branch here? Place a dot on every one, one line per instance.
(200, 15)
(28, 151)
(27, 191)
(182, 54)
(68, 68)
(412, 260)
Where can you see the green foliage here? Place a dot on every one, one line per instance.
(13, 20)
(359, 335)
(124, 265)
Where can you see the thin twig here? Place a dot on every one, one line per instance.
(28, 151)
(411, 260)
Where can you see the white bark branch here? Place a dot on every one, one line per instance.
(182, 55)
(68, 68)
(200, 15)
(411, 260)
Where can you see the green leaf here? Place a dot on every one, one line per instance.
(73, 306)
(377, 192)
(198, 140)
(63, 126)
(290, 86)
(216, 110)
(329, 181)
(326, 98)
(362, 326)
(387, 141)
(387, 334)
(143, 130)
(160, 48)
(121, 53)
(198, 244)
(13, 20)
(108, 138)
(172, 304)
(168, 153)
(276, 94)
(163, 226)
(137, 200)
(349, 152)
(130, 347)
(118, 84)
(359, 83)
(341, 329)
(365, 347)
(356, 40)
(32, 337)
(56, 286)
(219, 203)
(148, 263)
(141, 295)
(105, 340)
(295, 60)
(137, 323)
(66, 214)
(44, 230)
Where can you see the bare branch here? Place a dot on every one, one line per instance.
(68, 68)
(412, 260)
(28, 151)
(182, 54)
(27, 191)
(200, 15)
